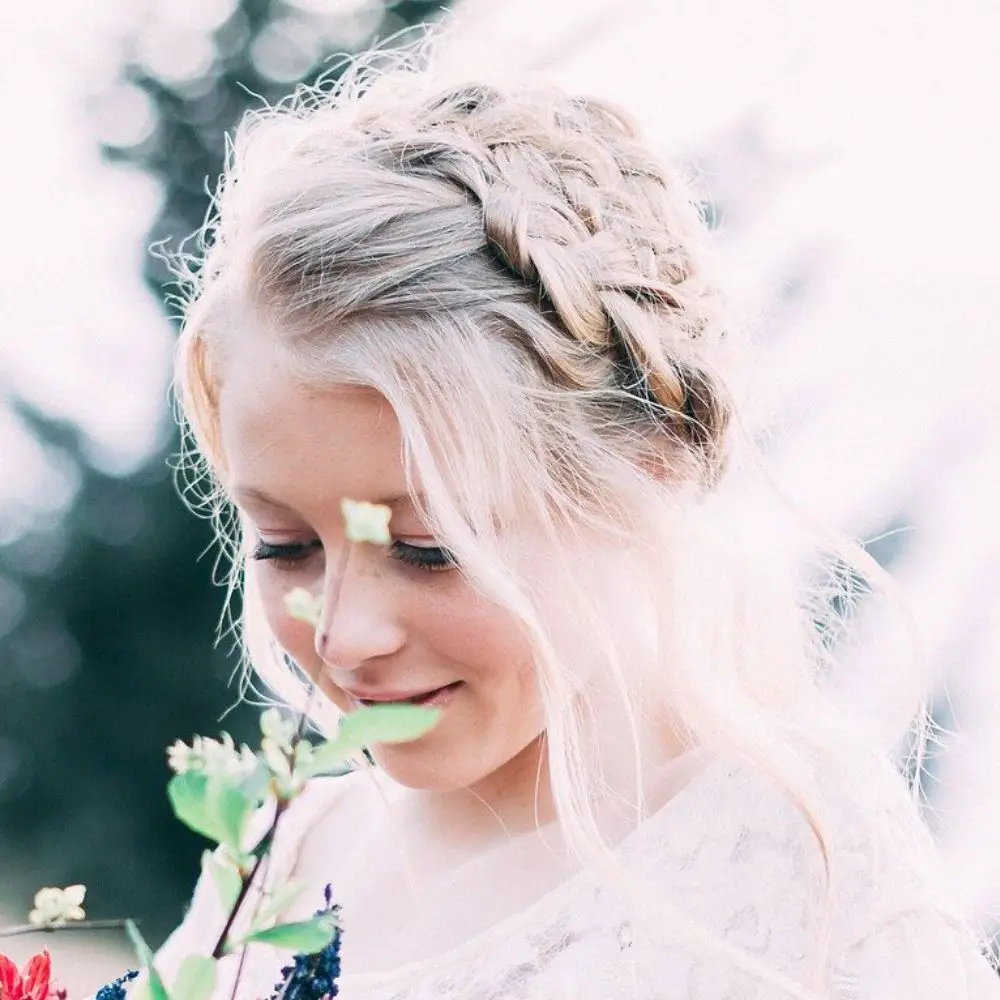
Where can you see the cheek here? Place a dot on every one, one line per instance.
(492, 654)
(294, 636)
(477, 637)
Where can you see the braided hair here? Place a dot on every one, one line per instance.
(556, 192)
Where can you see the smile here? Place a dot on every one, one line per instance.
(439, 696)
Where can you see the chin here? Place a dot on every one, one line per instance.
(423, 771)
(421, 767)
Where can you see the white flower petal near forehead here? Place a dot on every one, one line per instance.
(366, 522)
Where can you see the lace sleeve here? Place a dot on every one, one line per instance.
(901, 928)
(917, 955)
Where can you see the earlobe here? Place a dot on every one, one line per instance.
(653, 465)
(658, 460)
(673, 464)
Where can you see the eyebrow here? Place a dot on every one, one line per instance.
(262, 496)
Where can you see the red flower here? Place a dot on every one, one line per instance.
(31, 984)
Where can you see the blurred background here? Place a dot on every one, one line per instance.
(847, 157)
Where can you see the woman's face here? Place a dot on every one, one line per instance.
(397, 629)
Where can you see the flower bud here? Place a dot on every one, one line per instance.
(366, 522)
(54, 907)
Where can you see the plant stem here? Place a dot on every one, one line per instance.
(334, 600)
(239, 972)
(267, 841)
(300, 722)
(341, 570)
(82, 925)
(263, 864)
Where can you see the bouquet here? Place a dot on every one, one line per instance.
(225, 793)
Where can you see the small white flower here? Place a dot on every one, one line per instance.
(302, 605)
(276, 760)
(278, 727)
(213, 758)
(223, 759)
(302, 761)
(248, 762)
(366, 522)
(54, 907)
(179, 757)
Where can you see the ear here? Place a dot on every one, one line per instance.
(670, 462)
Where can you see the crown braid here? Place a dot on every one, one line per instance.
(576, 206)
(558, 192)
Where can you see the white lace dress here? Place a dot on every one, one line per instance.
(732, 853)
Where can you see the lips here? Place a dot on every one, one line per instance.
(401, 698)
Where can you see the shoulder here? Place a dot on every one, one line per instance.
(744, 860)
(743, 847)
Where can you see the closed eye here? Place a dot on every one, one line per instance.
(285, 555)
(431, 557)
(288, 555)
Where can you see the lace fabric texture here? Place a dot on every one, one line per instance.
(732, 853)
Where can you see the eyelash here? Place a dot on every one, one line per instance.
(430, 558)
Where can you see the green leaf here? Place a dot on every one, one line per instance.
(331, 765)
(387, 724)
(157, 990)
(224, 877)
(142, 950)
(195, 978)
(305, 937)
(327, 758)
(188, 794)
(372, 724)
(255, 787)
(278, 901)
(229, 809)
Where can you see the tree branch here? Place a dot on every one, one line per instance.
(80, 925)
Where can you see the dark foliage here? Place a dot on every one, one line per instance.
(108, 655)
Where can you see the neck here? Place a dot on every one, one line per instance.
(511, 801)
(517, 799)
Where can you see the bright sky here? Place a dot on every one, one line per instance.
(881, 123)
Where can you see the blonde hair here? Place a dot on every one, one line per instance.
(529, 289)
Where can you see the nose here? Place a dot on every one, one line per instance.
(359, 621)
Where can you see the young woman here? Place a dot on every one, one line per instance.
(489, 307)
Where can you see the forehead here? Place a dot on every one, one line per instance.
(303, 445)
